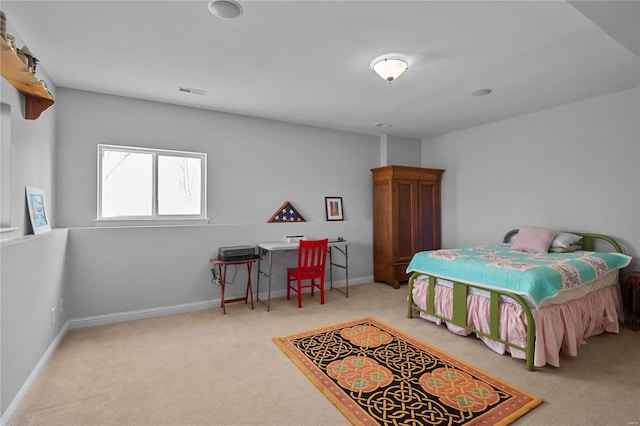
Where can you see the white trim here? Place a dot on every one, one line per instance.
(12, 409)
(96, 320)
(105, 223)
(154, 215)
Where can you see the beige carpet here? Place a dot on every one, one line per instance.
(204, 368)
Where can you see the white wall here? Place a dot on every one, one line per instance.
(575, 167)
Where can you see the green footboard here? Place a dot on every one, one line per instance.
(459, 318)
(460, 291)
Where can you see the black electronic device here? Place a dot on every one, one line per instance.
(236, 253)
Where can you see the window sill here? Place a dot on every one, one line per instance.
(115, 223)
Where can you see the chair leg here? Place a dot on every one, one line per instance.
(299, 294)
(288, 287)
(321, 291)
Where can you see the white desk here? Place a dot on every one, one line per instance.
(268, 247)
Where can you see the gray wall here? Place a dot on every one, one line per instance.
(399, 150)
(574, 167)
(32, 152)
(32, 269)
(254, 166)
(33, 276)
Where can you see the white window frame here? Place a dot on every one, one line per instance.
(154, 218)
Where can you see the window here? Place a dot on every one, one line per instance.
(150, 184)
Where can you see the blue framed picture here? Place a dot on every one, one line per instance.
(37, 205)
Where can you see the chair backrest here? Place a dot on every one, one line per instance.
(312, 255)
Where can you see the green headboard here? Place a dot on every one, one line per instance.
(588, 240)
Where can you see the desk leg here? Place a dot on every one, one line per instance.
(258, 279)
(269, 289)
(331, 268)
(249, 292)
(635, 288)
(346, 269)
(268, 276)
(345, 252)
(223, 279)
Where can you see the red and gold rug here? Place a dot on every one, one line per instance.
(378, 375)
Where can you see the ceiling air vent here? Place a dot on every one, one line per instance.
(192, 91)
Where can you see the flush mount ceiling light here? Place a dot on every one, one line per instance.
(389, 68)
(225, 9)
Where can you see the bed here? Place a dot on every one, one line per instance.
(530, 296)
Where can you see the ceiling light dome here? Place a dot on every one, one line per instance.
(389, 68)
(226, 9)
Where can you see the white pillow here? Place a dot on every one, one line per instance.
(565, 239)
(571, 248)
(534, 239)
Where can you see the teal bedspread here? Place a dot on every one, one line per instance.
(537, 276)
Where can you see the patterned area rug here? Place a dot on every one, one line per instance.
(377, 375)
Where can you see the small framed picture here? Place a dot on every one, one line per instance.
(37, 210)
(334, 208)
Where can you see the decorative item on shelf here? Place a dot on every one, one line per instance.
(286, 213)
(32, 61)
(36, 98)
(11, 41)
(43, 84)
(37, 206)
(23, 58)
(3, 25)
(334, 208)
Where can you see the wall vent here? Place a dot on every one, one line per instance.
(192, 91)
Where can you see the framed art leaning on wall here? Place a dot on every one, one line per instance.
(37, 210)
(334, 208)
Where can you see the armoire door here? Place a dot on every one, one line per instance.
(428, 217)
(406, 219)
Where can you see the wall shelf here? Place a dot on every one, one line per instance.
(36, 97)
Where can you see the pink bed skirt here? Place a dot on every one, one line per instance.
(559, 328)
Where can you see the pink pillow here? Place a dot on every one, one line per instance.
(533, 239)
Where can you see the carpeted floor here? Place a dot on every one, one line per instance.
(203, 368)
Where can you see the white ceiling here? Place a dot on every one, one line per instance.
(309, 61)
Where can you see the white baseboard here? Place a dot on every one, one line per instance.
(96, 320)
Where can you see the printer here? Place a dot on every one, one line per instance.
(236, 253)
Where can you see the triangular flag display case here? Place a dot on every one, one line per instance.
(286, 213)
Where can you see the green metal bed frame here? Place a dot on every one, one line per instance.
(460, 291)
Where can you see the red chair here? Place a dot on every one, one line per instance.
(312, 256)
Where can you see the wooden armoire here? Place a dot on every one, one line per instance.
(406, 218)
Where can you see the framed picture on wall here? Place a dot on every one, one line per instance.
(334, 208)
(37, 210)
